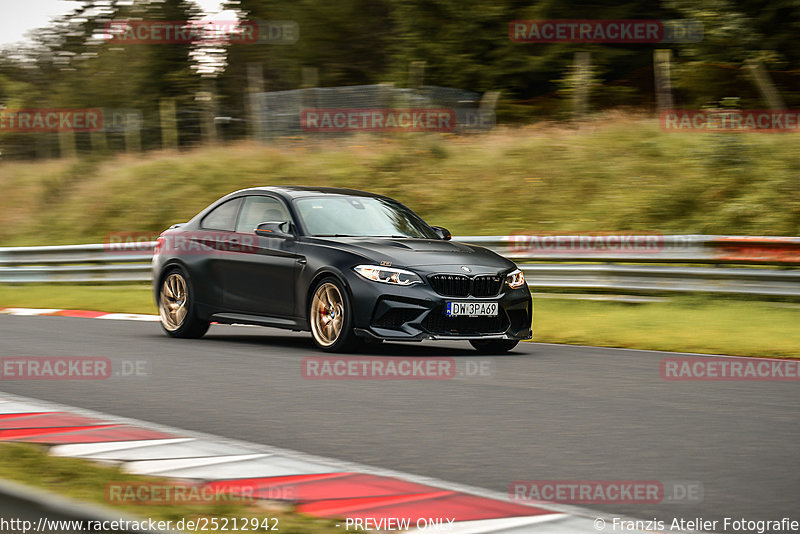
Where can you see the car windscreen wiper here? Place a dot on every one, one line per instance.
(335, 235)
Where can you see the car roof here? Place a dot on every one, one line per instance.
(296, 191)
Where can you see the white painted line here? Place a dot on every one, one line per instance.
(91, 449)
(129, 317)
(192, 448)
(270, 466)
(28, 311)
(150, 467)
(112, 316)
(14, 407)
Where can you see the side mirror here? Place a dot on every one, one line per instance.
(443, 233)
(275, 229)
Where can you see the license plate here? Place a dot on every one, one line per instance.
(471, 309)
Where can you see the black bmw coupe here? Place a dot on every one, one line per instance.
(348, 266)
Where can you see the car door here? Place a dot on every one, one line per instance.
(208, 248)
(260, 273)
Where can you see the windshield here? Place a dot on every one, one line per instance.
(360, 217)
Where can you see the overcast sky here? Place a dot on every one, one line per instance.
(18, 17)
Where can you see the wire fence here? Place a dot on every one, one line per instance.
(281, 111)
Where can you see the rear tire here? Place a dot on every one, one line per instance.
(494, 346)
(176, 306)
(330, 317)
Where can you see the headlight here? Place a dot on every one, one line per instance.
(515, 279)
(398, 277)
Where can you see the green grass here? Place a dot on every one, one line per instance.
(682, 324)
(685, 323)
(611, 174)
(86, 481)
(136, 298)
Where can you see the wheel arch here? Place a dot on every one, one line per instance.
(164, 269)
(319, 276)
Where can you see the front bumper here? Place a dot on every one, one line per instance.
(416, 313)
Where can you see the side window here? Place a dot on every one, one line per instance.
(223, 217)
(259, 209)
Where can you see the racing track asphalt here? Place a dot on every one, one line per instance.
(547, 412)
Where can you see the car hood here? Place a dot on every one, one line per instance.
(422, 253)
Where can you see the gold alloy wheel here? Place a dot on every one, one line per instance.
(172, 304)
(327, 314)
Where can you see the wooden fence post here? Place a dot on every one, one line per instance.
(169, 127)
(662, 71)
(582, 80)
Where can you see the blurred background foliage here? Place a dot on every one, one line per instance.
(615, 173)
(464, 44)
(616, 170)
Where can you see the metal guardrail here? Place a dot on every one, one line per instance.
(638, 263)
(117, 262)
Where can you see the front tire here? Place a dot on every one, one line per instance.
(494, 346)
(176, 306)
(330, 317)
